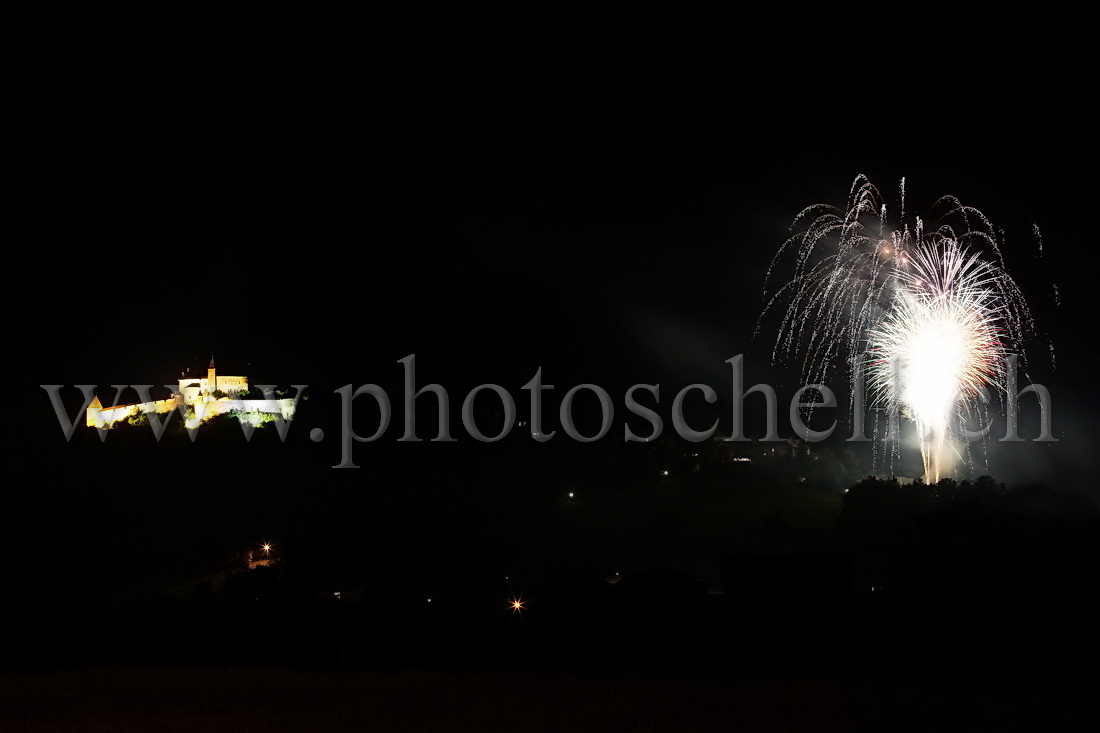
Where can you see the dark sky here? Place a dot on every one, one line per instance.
(312, 205)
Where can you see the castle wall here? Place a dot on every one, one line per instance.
(109, 415)
(225, 384)
(232, 384)
(284, 407)
(204, 409)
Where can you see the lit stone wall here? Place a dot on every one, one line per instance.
(232, 384)
(107, 416)
(192, 394)
(205, 407)
(206, 410)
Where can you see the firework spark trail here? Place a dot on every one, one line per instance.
(927, 317)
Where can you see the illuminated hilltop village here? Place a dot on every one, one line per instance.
(201, 399)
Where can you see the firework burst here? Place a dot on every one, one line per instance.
(938, 348)
(925, 318)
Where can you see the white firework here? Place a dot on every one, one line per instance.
(926, 318)
(937, 349)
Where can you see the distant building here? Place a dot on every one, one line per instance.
(262, 559)
(201, 399)
(754, 450)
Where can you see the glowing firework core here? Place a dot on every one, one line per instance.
(937, 347)
(933, 355)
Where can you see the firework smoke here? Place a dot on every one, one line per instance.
(926, 318)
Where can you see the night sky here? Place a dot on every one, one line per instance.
(311, 206)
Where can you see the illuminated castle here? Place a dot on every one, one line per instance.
(200, 399)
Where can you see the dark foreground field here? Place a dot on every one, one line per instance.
(271, 699)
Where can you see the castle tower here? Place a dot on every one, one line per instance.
(211, 379)
(94, 408)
